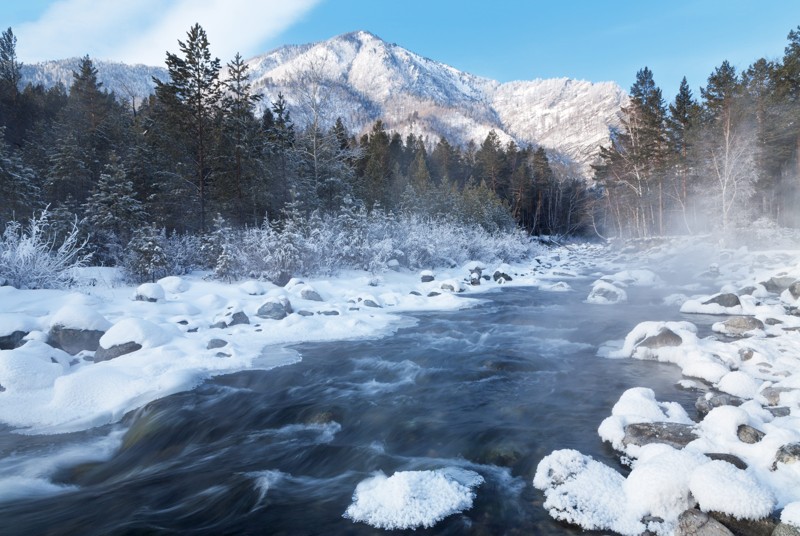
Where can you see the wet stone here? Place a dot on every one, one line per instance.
(748, 434)
(696, 523)
(703, 405)
(670, 433)
(216, 343)
(730, 458)
(664, 338)
(106, 354)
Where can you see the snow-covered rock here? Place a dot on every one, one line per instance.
(604, 293)
(149, 292)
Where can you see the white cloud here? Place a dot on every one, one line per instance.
(141, 31)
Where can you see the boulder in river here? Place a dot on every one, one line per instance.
(788, 454)
(105, 354)
(778, 284)
(664, 338)
(725, 300)
(748, 434)
(739, 326)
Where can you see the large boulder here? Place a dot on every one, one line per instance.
(276, 308)
(502, 273)
(794, 290)
(725, 300)
(664, 338)
(426, 276)
(778, 284)
(74, 341)
(674, 434)
(738, 326)
(76, 328)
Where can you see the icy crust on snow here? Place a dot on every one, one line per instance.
(413, 499)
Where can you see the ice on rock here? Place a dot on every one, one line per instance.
(412, 499)
(720, 487)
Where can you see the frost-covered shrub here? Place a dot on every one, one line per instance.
(151, 255)
(31, 256)
(356, 239)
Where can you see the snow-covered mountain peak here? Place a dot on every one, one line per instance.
(365, 78)
(361, 78)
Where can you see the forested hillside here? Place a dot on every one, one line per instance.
(196, 156)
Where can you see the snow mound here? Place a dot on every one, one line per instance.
(412, 499)
(150, 292)
(642, 278)
(253, 288)
(30, 367)
(142, 332)
(174, 284)
(739, 384)
(604, 293)
(561, 286)
(11, 322)
(659, 483)
(791, 514)
(79, 317)
(583, 491)
(719, 486)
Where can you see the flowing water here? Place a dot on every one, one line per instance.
(492, 388)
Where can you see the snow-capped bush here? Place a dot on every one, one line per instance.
(356, 239)
(32, 257)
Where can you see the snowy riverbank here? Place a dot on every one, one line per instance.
(738, 458)
(735, 456)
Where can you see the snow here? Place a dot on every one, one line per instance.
(739, 383)
(150, 291)
(719, 486)
(413, 499)
(791, 514)
(582, 491)
(79, 317)
(140, 331)
(174, 284)
(604, 293)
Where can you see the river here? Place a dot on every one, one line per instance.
(492, 388)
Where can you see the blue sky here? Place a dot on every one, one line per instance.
(501, 39)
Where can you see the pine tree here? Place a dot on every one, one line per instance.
(684, 114)
(113, 212)
(192, 98)
(491, 165)
(242, 137)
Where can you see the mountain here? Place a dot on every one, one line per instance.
(361, 78)
(126, 81)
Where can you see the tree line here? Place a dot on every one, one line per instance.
(197, 149)
(716, 163)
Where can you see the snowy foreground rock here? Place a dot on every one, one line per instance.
(734, 467)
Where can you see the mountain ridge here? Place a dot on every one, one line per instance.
(362, 78)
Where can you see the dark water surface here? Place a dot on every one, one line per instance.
(492, 389)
